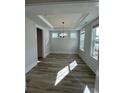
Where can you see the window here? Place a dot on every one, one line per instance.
(54, 35)
(95, 42)
(73, 35)
(82, 38)
(63, 35)
(59, 35)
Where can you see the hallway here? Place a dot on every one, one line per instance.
(43, 77)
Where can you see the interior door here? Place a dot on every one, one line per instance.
(39, 42)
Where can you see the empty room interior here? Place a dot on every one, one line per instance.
(62, 46)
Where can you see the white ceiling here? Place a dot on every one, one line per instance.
(70, 13)
(69, 19)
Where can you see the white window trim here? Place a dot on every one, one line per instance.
(82, 49)
(92, 44)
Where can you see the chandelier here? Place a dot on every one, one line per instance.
(62, 34)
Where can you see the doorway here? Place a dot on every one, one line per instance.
(40, 43)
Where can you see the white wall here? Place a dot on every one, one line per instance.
(64, 45)
(96, 90)
(85, 55)
(31, 43)
(46, 42)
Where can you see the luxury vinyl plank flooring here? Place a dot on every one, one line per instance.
(42, 78)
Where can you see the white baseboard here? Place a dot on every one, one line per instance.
(28, 68)
(63, 52)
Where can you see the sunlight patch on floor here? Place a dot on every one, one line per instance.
(73, 65)
(86, 89)
(65, 71)
(38, 61)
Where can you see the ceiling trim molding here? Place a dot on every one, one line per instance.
(64, 30)
(83, 18)
(61, 2)
(87, 23)
(46, 21)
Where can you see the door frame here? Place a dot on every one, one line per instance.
(37, 26)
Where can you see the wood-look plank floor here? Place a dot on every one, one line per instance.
(41, 79)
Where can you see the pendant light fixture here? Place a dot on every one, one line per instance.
(62, 35)
(63, 30)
